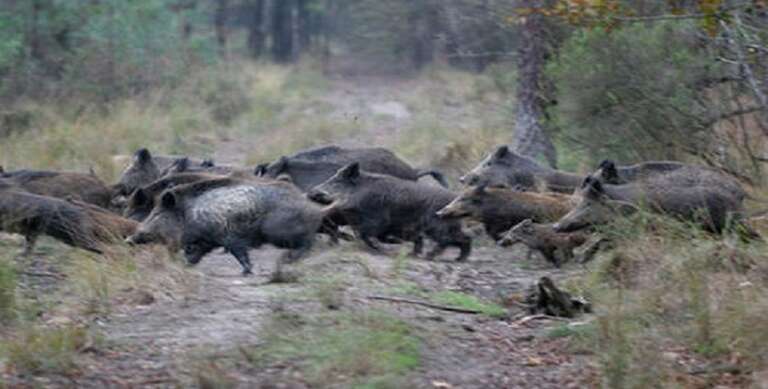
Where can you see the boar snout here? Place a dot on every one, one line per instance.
(505, 242)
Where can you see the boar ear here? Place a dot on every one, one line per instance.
(2, 170)
(140, 197)
(181, 165)
(608, 170)
(501, 152)
(594, 189)
(143, 156)
(207, 163)
(351, 171)
(168, 200)
(278, 166)
(260, 170)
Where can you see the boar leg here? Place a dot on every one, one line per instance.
(241, 254)
(29, 244)
(418, 246)
(466, 248)
(368, 242)
(551, 256)
(439, 248)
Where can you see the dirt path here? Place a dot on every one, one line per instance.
(164, 344)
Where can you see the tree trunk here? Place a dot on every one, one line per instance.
(256, 32)
(35, 44)
(282, 30)
(530, 119)
(220, 25)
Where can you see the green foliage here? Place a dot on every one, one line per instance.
(361, 349)
(634, 93)
(463, 300)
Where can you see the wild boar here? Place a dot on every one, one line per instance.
(506, 168)
(107, 227)
(386, 207)
(556, 247)
(33, 215)
(86, 187)
(145, 169)
(332, 158)
(684, 176)
(233, 214)
(141, 202)
(712, 207)
(499, 209)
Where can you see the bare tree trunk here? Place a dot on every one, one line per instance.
(529, 137)
(220, 25)
(282, 30)
(256, 32)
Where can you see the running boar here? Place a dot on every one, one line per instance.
(145, 169)
(233, 214)
(385, 207)
(142, 201)
(556, 247)
(107, 226)
(142, 171)
(505, 168)
(33, 215)
(86, 187)
(331, 158)
(599, 204)
(684, 176)
(499, 209)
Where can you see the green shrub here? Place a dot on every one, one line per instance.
(634, 93)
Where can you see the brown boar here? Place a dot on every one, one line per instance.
(499, 209)
(556, 247)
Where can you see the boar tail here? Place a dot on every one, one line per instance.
(438, 176)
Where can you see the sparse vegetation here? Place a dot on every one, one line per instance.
(7, 290)
(372, 349)
(670, 290)
(43, 350)
(463, 300)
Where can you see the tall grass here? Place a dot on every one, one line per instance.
(7, 290)
(671, 290)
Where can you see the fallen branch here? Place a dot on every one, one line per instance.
(426, 304)
(539, 317)
(43, 274)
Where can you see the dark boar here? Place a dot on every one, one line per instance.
(145, 169)
(233, 214)
(33, 215)
(371, 159)
(62, 185)
(599, 204)
(556, 247)
(141, 202)
(385, 207)
(499, 209)
(505, 168)
(683, 176)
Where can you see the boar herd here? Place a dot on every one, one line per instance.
(195, 206)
